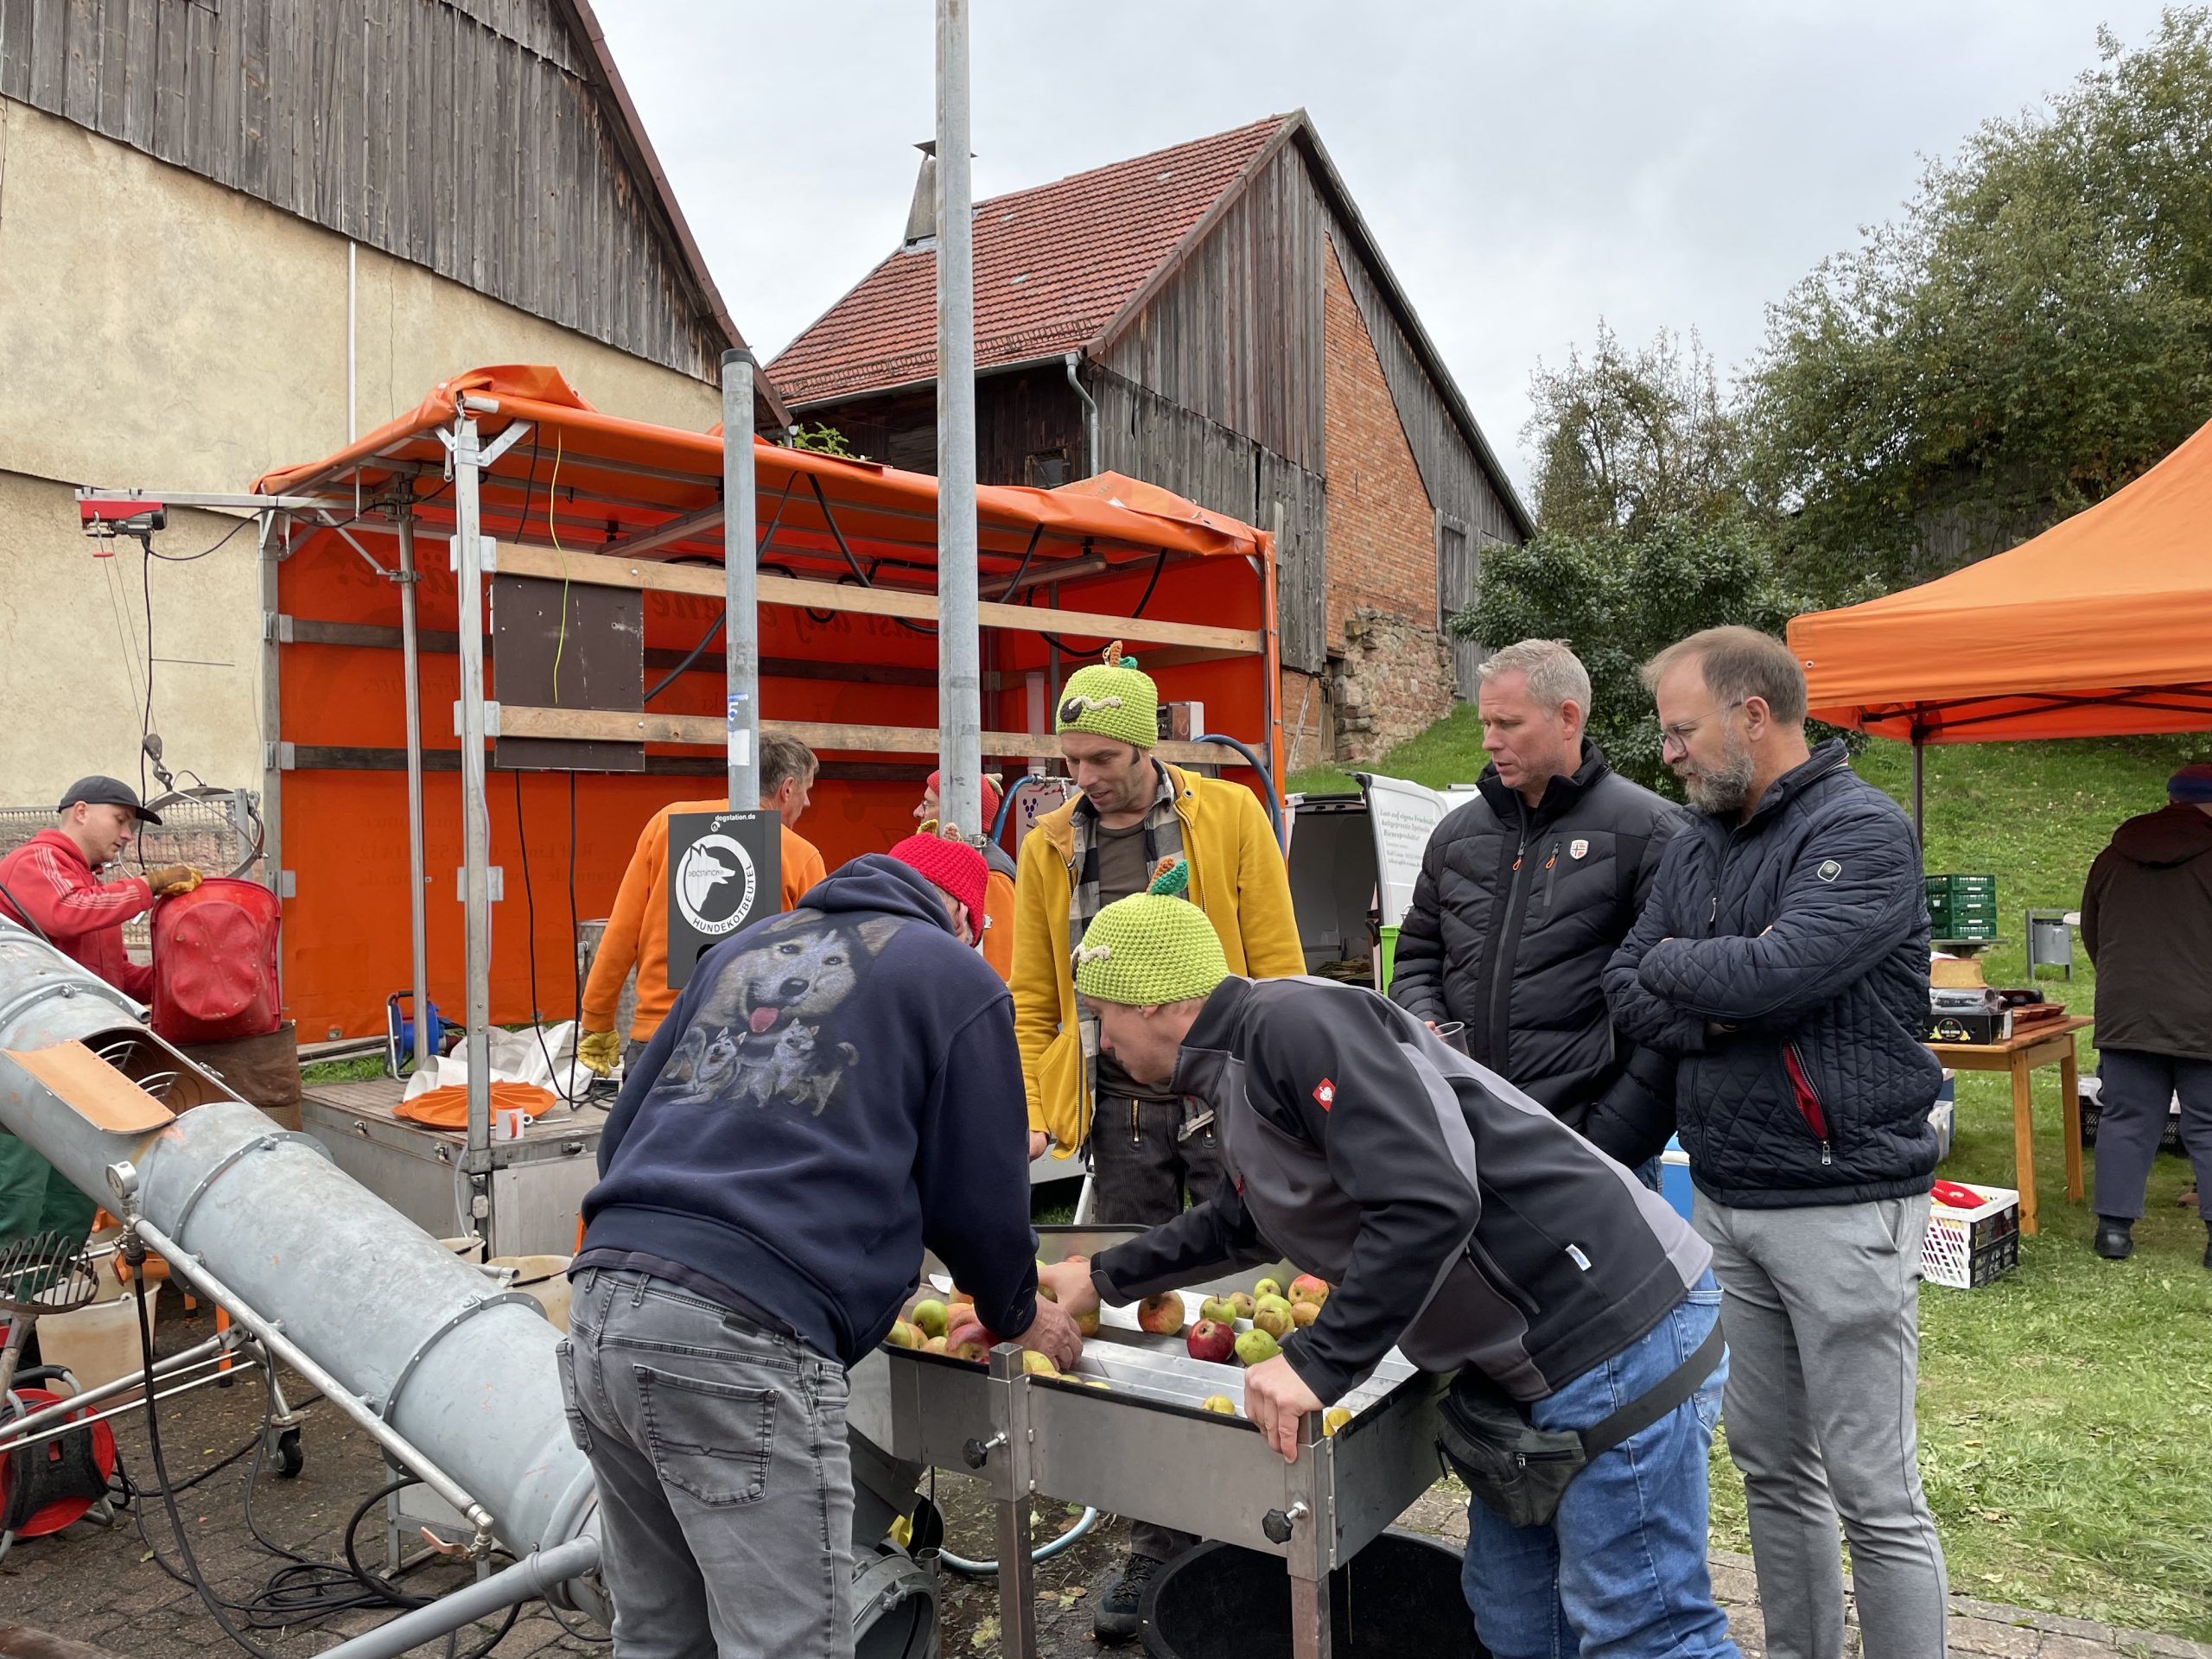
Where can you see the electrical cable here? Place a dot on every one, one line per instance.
(1057, 643)
(186, 558)
(552, 494)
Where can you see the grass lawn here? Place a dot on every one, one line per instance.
(2066, 1410)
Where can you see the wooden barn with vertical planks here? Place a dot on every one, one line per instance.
(1217, 319)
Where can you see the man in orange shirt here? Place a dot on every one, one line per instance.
(998, 931)
(637, 932)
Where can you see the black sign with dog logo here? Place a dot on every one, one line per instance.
(725, 870)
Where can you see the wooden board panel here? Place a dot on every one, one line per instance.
(707, 731)
(872, 602)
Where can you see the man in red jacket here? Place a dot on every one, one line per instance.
(48, 883)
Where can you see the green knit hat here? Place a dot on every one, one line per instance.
(1149, 948)
(1112, 698)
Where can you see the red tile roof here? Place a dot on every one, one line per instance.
(1053, 266)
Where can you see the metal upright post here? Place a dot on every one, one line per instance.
(1008, 1473)
(741, 583)
(475, 814)
(410, 671)
(1309, 1492)
(960, 705)
(1919, 799)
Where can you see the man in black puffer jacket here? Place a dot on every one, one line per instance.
(1784, 957)
(1523, 896)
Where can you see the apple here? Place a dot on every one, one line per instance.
(1162, 1315)
(1217, 1309)
(1220, 1402)
(1272, 1316)
(1306, 1288)
(1212, 1340)
(1240, 1304)
(904, 1335)
(1086, 1325)
(968, 1342)
(1047, 1292)
(934, 1345)
(960, 1295)
(932, 1315)
(1264, 1289)
(1037, 1364)
(1304, 1314)
(1254, 1346)
(1334, 1419)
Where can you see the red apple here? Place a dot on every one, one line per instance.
(1212, 1340)
(1306, 1288)
(968, 1342)
(1162, 1315)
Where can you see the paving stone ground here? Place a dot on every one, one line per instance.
(104, 1588)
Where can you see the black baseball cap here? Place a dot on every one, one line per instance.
(105, 792)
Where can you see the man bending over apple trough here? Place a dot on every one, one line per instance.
(1467, 1226)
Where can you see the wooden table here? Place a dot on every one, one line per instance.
(2045, 1044)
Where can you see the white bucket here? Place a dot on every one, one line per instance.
(545, 1277)
(98, 1343)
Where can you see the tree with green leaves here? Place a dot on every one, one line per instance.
(2032, 335)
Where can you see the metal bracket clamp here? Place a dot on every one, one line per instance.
(223, 1166)
(475, 1305)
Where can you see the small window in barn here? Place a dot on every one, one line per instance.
(1047, 469)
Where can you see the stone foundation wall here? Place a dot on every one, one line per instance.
(1394, 681)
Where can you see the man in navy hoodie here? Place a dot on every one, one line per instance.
(837, 1087)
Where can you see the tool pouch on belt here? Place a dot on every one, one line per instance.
(1521, 1471)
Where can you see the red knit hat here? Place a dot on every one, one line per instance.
(957, 868)
(990, 796)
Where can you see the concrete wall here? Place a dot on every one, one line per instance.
(157, 329)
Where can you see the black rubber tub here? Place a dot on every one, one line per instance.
(1398, 1598)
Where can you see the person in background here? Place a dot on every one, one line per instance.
(50, 884)
(637, 928)
(2146, 923)
(1460, 1222)
(998, 931)
(836, 1088)
(1524, 895)
(1782, 959)
(1133, 817)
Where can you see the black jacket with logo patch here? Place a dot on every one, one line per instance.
(1517, 912)
(1784, 961)
(1457, 1219)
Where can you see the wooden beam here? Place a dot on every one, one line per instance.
(609, 572)
(709, 731)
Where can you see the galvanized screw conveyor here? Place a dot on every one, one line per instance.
(1144, 1446)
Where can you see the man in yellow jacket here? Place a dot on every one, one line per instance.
(637, 928)
(1135, 818)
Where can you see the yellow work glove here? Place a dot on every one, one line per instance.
(600, 1050)
(172, 880)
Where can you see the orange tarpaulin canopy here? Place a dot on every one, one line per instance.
(2099, 627)
(847, 658)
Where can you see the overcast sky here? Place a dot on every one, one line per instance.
(1526, 168)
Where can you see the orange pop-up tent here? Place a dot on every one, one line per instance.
(2099, 627)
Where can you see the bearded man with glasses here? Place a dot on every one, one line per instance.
(1782, 959)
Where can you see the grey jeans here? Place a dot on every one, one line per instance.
(2139, 1087)
(1821, 1305)
(725, 1487)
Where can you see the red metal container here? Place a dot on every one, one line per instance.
(215, 963)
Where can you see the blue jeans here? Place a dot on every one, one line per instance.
(1620, 1572)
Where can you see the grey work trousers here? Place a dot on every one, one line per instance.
(1821, 1305)
(2138, 1090)
(725, 1485)
(1141, 1170)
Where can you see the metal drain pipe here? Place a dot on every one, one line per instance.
(462, 1377)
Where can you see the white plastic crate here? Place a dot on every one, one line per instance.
(1967, 1247)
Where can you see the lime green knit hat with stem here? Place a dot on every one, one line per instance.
(1150, 948)
(1112, 698)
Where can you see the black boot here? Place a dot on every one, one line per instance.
(2115, 1237)
(1115, 1619)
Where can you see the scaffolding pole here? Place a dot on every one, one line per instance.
(960, 705)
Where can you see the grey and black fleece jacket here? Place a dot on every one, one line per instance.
(1457, 1219)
